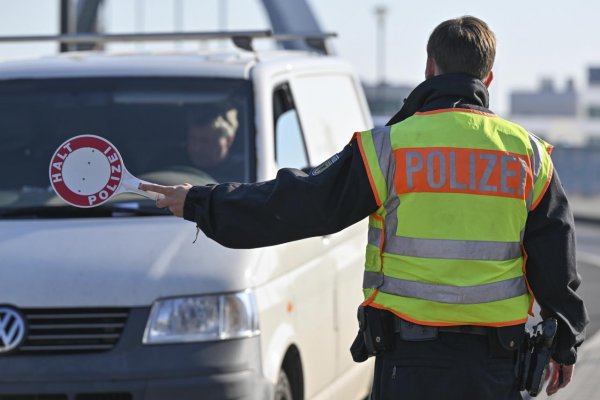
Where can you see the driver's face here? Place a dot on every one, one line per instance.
(207, 145)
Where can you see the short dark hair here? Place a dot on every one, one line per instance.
(465, 44)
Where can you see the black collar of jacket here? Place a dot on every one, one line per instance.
(454, 90)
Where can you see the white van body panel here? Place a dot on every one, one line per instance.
(115, 262)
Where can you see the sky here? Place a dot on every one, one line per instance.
(535, 39)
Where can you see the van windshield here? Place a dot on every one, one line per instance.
(168, 131)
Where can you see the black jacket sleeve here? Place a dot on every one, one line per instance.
(293, 206)
(551, 269)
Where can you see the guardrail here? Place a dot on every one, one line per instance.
(579, 169)
(579, 172)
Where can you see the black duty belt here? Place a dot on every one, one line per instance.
(415, 332)
(468, 329)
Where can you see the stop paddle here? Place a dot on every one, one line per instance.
(88, 170)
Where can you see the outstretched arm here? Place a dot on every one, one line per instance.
(293, 206)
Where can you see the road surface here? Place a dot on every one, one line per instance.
(587, 371)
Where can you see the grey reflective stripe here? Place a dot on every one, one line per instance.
(536, 159)
(387, 163)
(374, 236)
(529, 200)
(536, 165)
(391, 218)
(447, 249)
(383, 148)
(372, 280)
(485, 293)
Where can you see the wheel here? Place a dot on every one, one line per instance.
(283, 389)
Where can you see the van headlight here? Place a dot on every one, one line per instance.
(202, 318)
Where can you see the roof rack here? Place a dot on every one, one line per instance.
(241, 39)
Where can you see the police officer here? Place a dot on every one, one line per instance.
(467, 222)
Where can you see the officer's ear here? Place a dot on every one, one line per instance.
(431, 68)
(488, 79)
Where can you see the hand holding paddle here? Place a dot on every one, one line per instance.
(172, 197)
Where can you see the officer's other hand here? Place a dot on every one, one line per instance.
(560, 376)
(174, 196)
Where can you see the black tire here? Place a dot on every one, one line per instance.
(283, 388)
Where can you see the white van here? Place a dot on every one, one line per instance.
(116, 302)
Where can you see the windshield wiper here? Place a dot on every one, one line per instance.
(65, 211)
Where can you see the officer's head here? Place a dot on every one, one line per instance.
(464, 44)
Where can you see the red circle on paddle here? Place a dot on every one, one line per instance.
(86, 170)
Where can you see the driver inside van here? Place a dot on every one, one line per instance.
(210, 134)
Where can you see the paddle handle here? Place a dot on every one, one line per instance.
(131, 184)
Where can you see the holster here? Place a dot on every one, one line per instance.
(375, 333)
(534, 356)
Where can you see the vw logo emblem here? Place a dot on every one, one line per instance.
(12, 329)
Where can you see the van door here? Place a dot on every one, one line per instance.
(331, 108)
(307, 262)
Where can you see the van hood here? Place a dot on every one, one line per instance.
(115, 262)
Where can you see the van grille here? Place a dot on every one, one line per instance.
(72, 330)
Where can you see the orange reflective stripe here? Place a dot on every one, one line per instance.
(366, 164)
(466, 110)
(460, 170)
(370, 299)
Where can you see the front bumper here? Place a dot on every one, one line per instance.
(132, 371)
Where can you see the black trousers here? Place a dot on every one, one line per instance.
(455, 366)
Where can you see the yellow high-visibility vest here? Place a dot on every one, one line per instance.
(454, 188)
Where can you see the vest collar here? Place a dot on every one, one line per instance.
(454, 90)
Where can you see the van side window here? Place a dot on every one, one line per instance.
(290, 149)
(330, 111)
